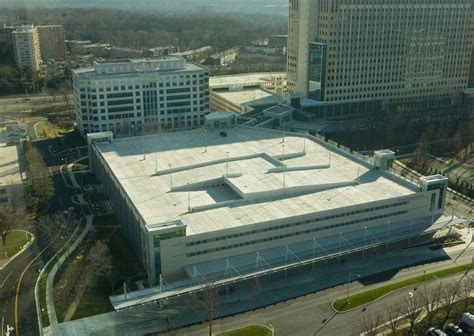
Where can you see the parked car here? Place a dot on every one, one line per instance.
(435, 332)
(454, 330)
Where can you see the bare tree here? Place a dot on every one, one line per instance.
(53, 227)
(7, 222)
(464, 293)
(393, 312)
(371, 322)
(204, 303)
(99, 260)
(449, 294)
(430, 301)
(411, 308)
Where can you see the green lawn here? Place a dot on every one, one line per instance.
(249, 331)
(373, 294)
(48, 130)
(14, 243)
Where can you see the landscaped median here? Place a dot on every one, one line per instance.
(369, 296)
(42, 282)
(254, 330)
(16, 241)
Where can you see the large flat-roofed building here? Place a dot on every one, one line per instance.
(193, 202)
(27, 48)
(238, 92)
(414, 54)
(134, 96)
(53, 42)
(11, 178)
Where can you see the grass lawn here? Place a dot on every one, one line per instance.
(373, 294)
(249, 331)
(47, 130)
(125, 268)
(14, 243)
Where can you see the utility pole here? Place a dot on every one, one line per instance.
(349, 284)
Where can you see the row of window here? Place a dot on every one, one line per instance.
(292, 234)
(283, 226)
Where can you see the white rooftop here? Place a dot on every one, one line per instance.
(9, 165)
(245, 177)
(240, 80)
(246, 96)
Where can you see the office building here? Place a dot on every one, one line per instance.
(203, 203)
(133, 96)
(414, 54)
(241, 92)
(53, 42)
(27, 48)
(11, 174)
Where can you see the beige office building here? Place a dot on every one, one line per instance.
(411, 53)
(27, 48)
(52, 40)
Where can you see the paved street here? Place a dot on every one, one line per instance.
(27, 266)
(313, 315)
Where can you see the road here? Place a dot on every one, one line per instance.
(22, 104)
(26, 267)
(312, 314)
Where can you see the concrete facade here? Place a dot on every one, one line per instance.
(27, 48)
(53, 42)
(136, 96)
(413, 53)
(193, 203)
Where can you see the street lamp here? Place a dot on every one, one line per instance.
(349, 284)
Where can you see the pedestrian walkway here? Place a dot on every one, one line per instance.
(52, 316)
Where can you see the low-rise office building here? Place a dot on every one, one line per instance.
(11, 178)
(193, 203)
(136, 96)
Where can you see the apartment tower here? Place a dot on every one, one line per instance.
(411, 53)
(52, 41)
(27, 48)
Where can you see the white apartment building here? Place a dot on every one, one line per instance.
(411, 53)
(199, 201)
(136, 96)
(27, 48)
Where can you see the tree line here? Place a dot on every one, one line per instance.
(145, 30)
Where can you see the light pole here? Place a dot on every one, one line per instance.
(227, 164)
(349, 284)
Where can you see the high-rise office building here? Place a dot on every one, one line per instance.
(52, 41)
(411, 53)
(27, 48)
(134, 96)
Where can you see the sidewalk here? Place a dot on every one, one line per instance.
(53, 320)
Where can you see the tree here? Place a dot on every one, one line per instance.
(41, 185)
(393, 312)
(7, 222)
(449, 294)
(411, 309)
(53, 227)
(204, 302)
(370, 323)
(430, 301)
